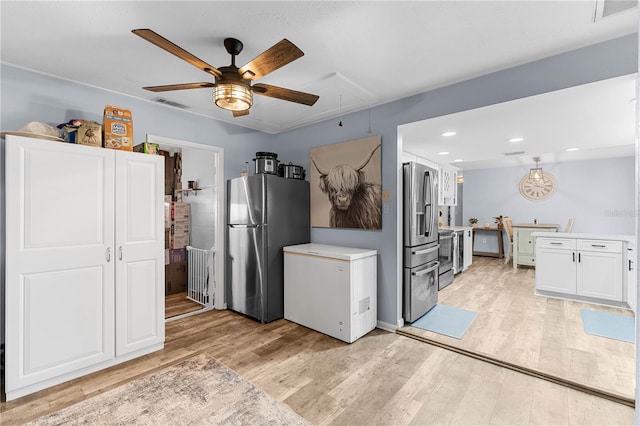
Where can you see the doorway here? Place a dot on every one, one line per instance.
(195, 264)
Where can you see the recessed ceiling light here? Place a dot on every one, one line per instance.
(458, 160)
(449, 133)
(632, 100)
(516, 139)
(443, 153)
(572, 149)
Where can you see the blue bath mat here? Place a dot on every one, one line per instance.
(447, 320)
(605, 324)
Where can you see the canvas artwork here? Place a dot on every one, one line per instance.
(346, 184)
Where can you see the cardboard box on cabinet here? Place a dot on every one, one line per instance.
(118, 128)
(147, 148)
(87, 133)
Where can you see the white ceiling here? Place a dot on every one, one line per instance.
(357, 54)
(597, 118)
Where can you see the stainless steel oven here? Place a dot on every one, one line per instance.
(445, 257)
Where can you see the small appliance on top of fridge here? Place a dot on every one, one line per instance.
(265, 213)
(420, 277)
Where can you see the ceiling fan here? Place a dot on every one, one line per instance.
(233, 89)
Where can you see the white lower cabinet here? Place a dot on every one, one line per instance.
(591, 269)
(631, 276)
(84, 260)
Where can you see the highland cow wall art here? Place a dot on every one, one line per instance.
(346, 184)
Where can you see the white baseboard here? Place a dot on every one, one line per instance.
(387, 326)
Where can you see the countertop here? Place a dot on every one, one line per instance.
(614, 237)
(456, 228)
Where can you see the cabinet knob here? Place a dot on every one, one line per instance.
(108, 254)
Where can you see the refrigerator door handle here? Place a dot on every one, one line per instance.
(252, 225)
(428, 204)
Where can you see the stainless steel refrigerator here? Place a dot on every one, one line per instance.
(420, 222)
(265, 213)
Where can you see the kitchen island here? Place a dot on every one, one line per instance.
(595, 268)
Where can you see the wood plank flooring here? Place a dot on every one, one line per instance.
(178, 304)
(383, 378)
(536, 332)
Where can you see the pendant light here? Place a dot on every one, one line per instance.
(535, 174)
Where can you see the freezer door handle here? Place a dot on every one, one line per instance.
(426, 271)
(252, 225)
(425, 251)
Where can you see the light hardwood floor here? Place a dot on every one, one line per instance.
(177, 304)
(545, 334)
(383, 378)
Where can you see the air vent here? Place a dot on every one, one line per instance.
(511, 154)
(170, 103)
(606, 8)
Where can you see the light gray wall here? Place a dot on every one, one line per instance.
(27, 96)
(599, 194)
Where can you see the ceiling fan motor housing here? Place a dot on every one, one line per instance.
(231, 91)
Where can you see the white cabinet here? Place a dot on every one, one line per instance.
(468, 248)
(331, 289)
(631, 275)
(448, 188)
(84, 260)
(588, 268)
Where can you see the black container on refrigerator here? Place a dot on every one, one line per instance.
(266, 163)
(420, 220)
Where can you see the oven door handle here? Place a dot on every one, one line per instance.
(425, 271)
(425, 251)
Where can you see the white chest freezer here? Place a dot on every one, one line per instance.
(331, 289)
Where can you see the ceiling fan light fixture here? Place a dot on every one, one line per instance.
(233, 96)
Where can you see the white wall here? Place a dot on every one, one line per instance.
(199, 165)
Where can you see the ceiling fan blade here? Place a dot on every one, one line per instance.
(278, 55)
(285, 94)
(163, 43)
(183, 86)
(240, 113)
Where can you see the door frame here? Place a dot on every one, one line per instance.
(219, 297)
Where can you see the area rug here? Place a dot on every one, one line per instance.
(197, 391)
(605, 324)
(447, 320)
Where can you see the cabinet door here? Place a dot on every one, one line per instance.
(600, 275)
(468, 248)
(525, 242)
(556, 270)
(59, 259)
(139, 251)
(631, 276)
